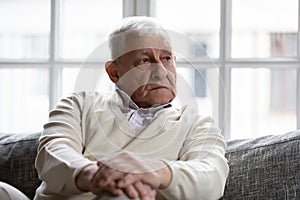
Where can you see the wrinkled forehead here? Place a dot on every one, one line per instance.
(131, 41)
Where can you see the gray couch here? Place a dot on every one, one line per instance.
(262, 168)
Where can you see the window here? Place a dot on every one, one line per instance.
(24, 29)
(42, 46)
(262, 101)
(196, 39)
(264, 28)
(238, 59)
(24, 38)
(253, 48)
(263, 98)
(84, 25)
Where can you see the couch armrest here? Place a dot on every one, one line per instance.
(17, 156)
(264, 168)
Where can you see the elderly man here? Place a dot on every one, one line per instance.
(133, 142)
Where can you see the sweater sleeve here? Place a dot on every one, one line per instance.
(59, 157)
(202, 169)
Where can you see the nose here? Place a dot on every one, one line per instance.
(158, 71)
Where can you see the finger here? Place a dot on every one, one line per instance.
(110, 176)
(129, 179)
(152, 194)
(131, 192)
(113, 190)
(110, 188)
(103, 175)
(106, 176)
(144, 190)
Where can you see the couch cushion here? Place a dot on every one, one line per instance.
(264, 168)
(17, 155)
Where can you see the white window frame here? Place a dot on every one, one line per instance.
(146, 7)
(226, 64)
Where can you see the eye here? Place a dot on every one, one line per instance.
(144, 61)
(167, 58)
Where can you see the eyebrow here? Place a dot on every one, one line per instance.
(144, 51)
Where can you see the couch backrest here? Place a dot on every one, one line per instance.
(262, 168)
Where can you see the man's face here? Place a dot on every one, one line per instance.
(148, 75)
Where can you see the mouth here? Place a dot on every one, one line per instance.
(159, 87)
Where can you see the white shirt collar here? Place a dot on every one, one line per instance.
(137, 116)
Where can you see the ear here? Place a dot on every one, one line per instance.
(111, 70)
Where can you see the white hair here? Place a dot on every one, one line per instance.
(140, 25)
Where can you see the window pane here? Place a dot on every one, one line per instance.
(198, 19)
(264, 28)
(85, 24)
(69, 76)
(24, 29)
(199, 87)
(85, 78)
(263, 102)
(24, 99)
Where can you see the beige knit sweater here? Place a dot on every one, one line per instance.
(85, 127)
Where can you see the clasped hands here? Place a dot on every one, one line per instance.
(125, 173)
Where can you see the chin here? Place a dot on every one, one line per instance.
(148, 102)
(151, 98)
(161, 101)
